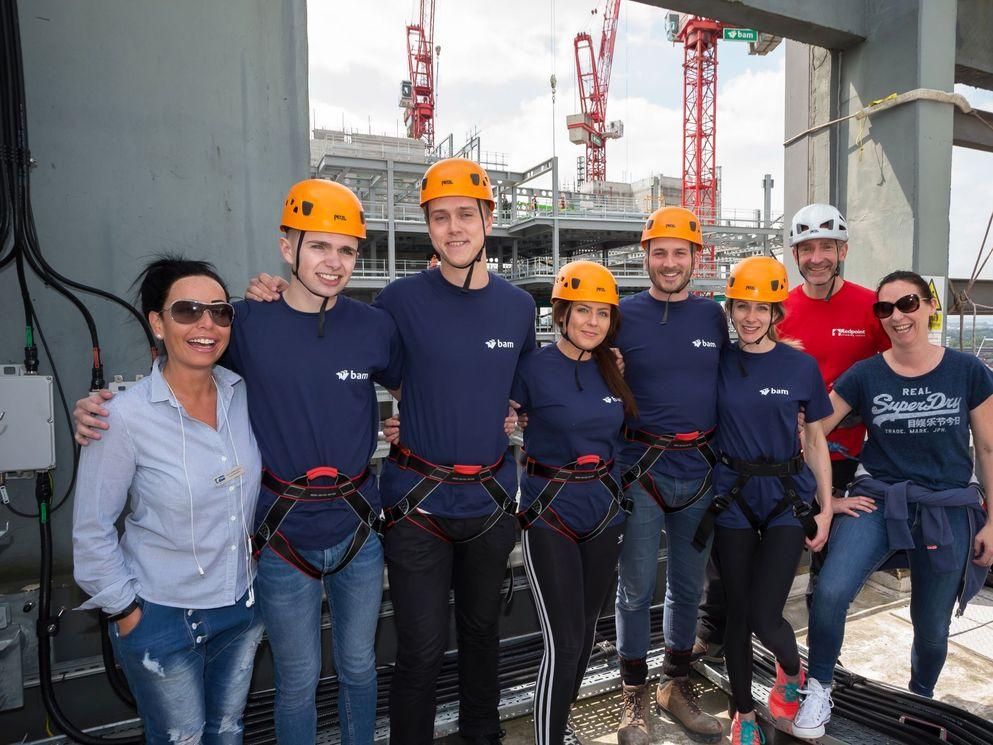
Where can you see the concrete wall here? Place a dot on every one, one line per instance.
(157, 126)
(890, 174)
(895, 172)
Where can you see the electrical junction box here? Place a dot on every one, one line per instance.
(27, 421)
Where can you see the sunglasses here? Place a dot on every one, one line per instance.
(906, 304)
(190, 311)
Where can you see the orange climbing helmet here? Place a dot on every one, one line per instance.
(585, 281)
(760, 279)
(456, 177)
(323, 206)
(672, 222)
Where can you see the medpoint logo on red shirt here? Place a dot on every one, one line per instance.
(847, 332)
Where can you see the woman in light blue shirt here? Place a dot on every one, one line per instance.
(178, 583)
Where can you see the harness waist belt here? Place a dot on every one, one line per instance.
(290, 493)
(656, 447)
(784, 471)
(434, 475)
(584, 469)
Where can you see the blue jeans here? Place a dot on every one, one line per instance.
(638, 568)
(189, 670)
(859, 546)
(290, 603)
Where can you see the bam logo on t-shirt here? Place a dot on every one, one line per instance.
(704, 343)
(611, 400)
(847, 332)
(775, 391)
(499, 344)
(352, 375)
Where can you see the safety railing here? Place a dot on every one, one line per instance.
(378, 268)
(507, 214)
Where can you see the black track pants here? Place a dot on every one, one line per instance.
(757, 573)
(423, 569)
(570, 583)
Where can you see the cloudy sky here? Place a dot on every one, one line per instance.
(495, 64)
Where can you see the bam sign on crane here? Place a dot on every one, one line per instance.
(741, 34)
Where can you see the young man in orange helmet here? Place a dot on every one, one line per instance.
(448, 487)
(318, 513)
(671, 342)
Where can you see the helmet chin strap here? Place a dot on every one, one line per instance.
(834, 275)
(668, 297)
(743, 344)
(325, 298)
(479, 254)
(565, 335)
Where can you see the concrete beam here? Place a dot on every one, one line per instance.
(969, 131)
(838, 24)
(973, 50)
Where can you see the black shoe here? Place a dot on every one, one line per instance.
(493, 738)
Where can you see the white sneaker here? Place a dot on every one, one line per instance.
(815, 711)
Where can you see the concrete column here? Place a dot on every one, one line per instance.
(895, 172)
(513, 257)
(891, 174)
(391, 226)
(767, 184)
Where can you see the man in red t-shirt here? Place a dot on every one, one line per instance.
(832, 318)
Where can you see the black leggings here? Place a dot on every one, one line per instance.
(757, 573)
(570, 583)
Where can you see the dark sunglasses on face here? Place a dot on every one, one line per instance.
(190, 311)
(906, 304)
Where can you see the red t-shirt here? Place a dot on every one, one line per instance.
(837, 333)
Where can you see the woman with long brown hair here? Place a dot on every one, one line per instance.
(573, 508)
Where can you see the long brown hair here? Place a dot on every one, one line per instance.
(605, 360)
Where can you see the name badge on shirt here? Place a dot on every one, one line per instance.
(232, 474)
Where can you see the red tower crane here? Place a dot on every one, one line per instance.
(699, 37)
(417, 94)
(593, 79)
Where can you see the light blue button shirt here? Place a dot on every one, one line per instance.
(185, 541)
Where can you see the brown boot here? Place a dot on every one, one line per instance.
(633, 729)
(677, 698)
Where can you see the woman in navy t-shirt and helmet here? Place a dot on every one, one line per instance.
(918, 487)
(571, 499)
(764, 484)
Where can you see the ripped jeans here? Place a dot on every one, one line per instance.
(189, 670)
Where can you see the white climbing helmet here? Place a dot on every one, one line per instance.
(818, 221)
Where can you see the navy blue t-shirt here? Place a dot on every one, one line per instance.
(460, 351)
(672, 370)
(757, 419)
(312, 401)
(918, 428)
(565, 423)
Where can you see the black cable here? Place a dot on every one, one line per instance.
(68, 415)
(48, 627)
